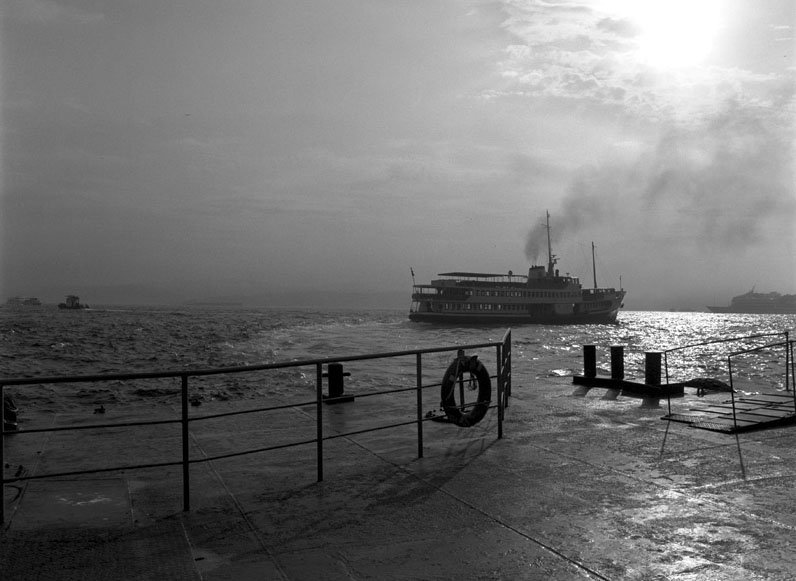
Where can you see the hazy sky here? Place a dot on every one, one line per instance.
(246, 146)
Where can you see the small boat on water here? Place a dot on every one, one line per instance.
(23, 302)
(73, 303)
(759, 303)
(543, 296)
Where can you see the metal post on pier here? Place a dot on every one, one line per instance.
(617, 361)
(507, 371)
(787, 360)
(590, 361)
(460, 356)
(652, 368)
(419, 383)
(319, 419)
(790, 368)
(732, 393)
(2, 458)
(652, 377)
(500, 390)
(186, 466)
(666, 372)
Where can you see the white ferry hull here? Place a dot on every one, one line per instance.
(595, 317)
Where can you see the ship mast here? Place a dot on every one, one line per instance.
(593, 265)
(550, 260)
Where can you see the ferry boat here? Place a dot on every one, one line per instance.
(543, 296)
(759, 303)
(72, 302)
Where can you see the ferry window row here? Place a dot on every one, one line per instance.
(524, 294)
(516, 307)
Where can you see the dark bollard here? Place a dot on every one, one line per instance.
(336, 390)
(652, 376)
(617, 362)
(589, 361)
(652, 368)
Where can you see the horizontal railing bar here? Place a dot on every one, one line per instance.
(211, 458)
(753, 349)
(223, 370)
(252, 451)
(412, 422)
(251, 411)
(387, 392)
(92, 426)
(93, 471)
(721, 341)
(211, 416)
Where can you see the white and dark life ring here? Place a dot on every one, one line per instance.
(476, 411)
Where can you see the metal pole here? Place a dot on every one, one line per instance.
(732, 394)
(186, 486)
(787, 362)
(499, 354)
(419, 372)
(460, 356)
(792, 368)
(2, 458)
(668, 393)
(319, 418)
(590, 360)
(507, 355)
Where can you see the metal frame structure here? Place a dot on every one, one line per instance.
(790, 371)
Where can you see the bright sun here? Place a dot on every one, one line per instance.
(673, 33)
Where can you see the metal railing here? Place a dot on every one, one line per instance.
(503, 377)
(790, 368)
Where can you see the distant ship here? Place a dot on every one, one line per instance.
(759, 303)
(543, 296)
(72, 302)
(22, 302)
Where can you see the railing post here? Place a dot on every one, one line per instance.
(419, 372)
(2, 458)
(732, 393)
(507, 356)
(787, 361)
(460, 355)
(792, 372)
(186, 487)
(499, 358)
(319, 418)
(666, 371)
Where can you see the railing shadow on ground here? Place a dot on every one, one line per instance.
(502, 375)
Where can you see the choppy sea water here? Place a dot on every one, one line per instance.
(48, 342)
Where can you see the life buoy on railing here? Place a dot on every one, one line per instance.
(455, 371)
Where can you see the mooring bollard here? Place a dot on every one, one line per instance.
(617, 361)
(336, 390)
(589, 361)
(652, 376)
(652, 368)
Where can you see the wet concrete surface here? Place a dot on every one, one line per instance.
(578, 488)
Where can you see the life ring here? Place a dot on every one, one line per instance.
(448, 391)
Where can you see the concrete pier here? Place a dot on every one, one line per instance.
(577, 489)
